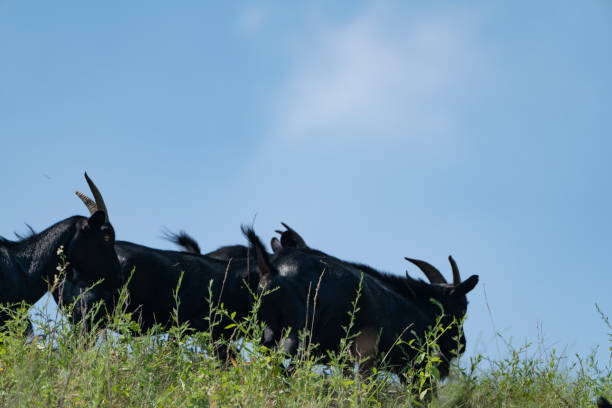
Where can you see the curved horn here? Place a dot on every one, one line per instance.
(456, 276)
(97, 196)
(89, 203)
(429, 270)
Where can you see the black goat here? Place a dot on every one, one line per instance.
(385, 315)
(155, 275)
(451, 298)
(29, 265)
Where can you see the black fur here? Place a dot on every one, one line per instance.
(228, 252)
(603, 403)
(28, 264)
(156, 276)
(400, 299)
(296, 274)
(183, 240)
(290, 238)
(224, 253)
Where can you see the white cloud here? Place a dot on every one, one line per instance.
(379, 75)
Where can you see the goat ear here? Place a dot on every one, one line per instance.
(266, 270)
(97, 219)
(291, 239)
(276, 245)
(467, 285)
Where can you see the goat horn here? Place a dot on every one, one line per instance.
(89, 203)
(429, 270)
(456, 276)
(97, 196)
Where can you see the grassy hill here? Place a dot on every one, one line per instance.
(69, 365)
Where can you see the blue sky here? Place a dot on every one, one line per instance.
(378, 130)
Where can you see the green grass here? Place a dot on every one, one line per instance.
(67, 365)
